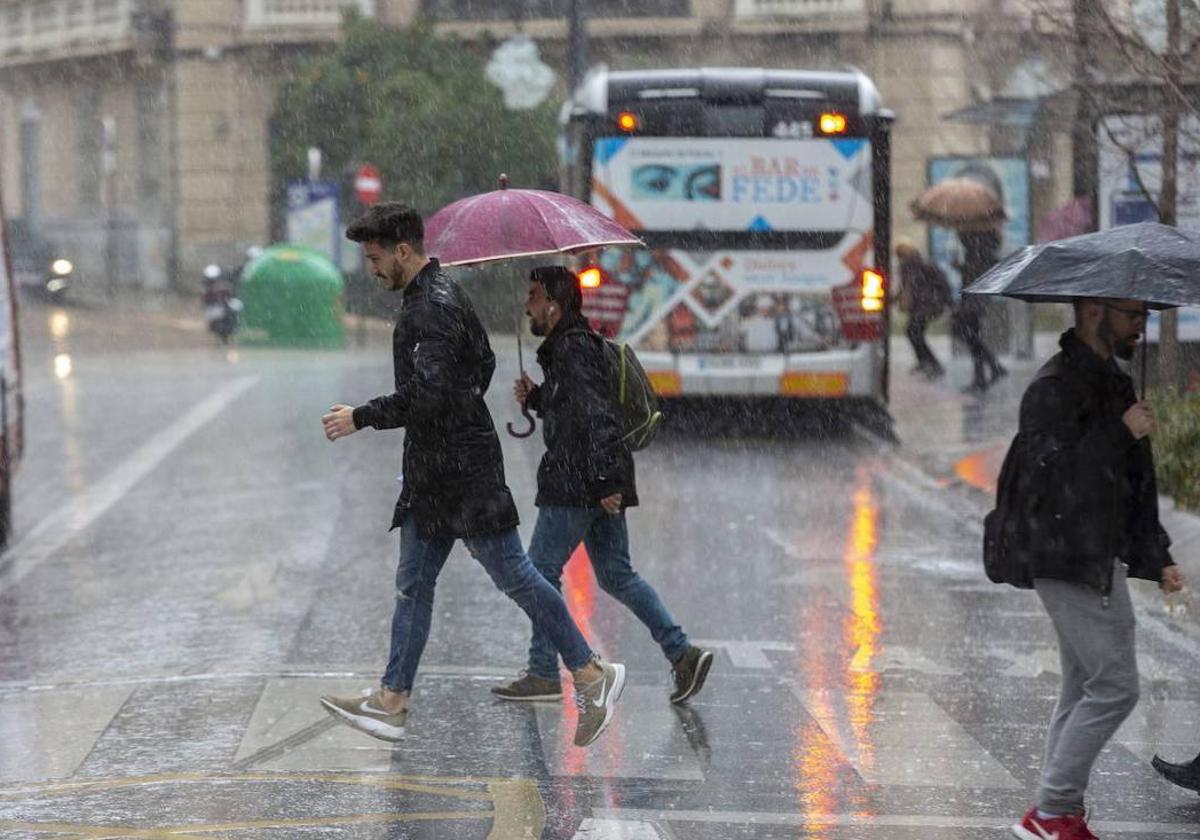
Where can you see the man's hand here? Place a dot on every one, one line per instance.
(1172, 579)
(522, 388)
(1139, 420)
(612, 504)
(339, 422)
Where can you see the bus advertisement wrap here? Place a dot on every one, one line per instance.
(723, 184)
(745, 301)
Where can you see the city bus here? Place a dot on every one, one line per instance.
(11, 404)
(763, 198)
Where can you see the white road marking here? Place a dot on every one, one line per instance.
(610, 829)
(870, 820)
(56, 530)
(747, 653)
(904, 738)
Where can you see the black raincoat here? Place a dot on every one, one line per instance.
(585, 460)
(453, 478)
(1092, 494)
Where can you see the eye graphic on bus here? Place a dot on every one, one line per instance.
(659, 182)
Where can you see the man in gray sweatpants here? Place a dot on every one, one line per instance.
(1088, 520)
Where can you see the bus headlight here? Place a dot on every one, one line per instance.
(62, 267)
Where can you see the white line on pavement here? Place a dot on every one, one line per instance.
(869, 820)
(57, 529)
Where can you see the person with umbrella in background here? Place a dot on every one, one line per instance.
(585, 484)
(980, 248)
(924, 295)
(971, 206)
(453, 480)
(1089, 517)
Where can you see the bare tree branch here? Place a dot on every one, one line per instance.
(1135, 170)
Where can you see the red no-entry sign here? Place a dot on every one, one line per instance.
(368, 184)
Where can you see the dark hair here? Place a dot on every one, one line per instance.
(561, 285)
(389, 223)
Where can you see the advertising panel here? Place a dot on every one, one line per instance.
(734, 184)
(1131, 151)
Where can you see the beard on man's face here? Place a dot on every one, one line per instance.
(1122, 348)
(538, 328)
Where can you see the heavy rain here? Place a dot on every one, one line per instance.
(597, 419)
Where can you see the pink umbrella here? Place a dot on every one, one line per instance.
(506, 224)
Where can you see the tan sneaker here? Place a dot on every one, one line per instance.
(595, 702)
(367, 715)
(529, 687)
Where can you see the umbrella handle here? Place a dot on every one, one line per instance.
(532, 425)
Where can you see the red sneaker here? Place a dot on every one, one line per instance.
(1068, 827)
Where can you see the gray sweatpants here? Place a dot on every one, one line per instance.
(1099, 683)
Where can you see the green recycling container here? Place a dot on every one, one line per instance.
(293, 297)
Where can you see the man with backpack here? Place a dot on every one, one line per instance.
(1077, 512)
(453, 485)
(586, 478)
(924, 295)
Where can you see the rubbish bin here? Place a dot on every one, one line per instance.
(293, 296)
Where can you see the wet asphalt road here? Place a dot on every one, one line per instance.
(194, 565)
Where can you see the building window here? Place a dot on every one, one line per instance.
(303, 12)
(447, 10)
(30, 25)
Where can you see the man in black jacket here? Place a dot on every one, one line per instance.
(1092, 521)
(585, 483)
(453, 481)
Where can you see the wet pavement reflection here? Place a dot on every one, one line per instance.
(195, 565)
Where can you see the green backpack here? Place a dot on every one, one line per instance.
(632, 394)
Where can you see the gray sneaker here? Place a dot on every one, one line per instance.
(529, 687)
(595, 702)
(365, 714)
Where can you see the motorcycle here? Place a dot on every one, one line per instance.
(221, 303)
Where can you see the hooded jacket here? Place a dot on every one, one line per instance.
(453, 478)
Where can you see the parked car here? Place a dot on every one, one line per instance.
(39, 266)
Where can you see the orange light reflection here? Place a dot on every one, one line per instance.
(579, 591)
(839, 677)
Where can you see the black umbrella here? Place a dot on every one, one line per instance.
(1149, 262)
(1154, 263)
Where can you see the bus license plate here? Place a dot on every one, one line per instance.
(727, 363)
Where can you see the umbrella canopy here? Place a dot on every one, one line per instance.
(505, 224)
(959, 203)
(1148, 262)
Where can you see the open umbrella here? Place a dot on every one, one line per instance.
(959, 203)
(1154, 263)
(507, 224)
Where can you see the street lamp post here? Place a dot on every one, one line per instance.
(577, 43)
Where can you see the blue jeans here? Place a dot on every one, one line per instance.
(506, 563)
(558, 532)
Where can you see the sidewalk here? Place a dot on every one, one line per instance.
(960, 440)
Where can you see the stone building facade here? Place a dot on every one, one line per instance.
(148, 120)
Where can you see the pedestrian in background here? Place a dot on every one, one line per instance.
(585, 484)
(980, 252)
(453, 480)
(924, 296)
(1092, 520)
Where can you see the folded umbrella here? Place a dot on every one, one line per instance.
(507, 224)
